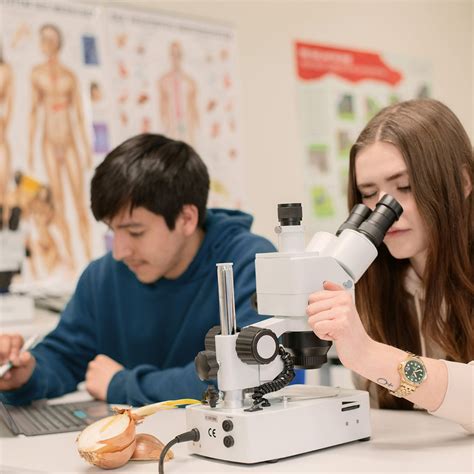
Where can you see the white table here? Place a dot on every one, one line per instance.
(402, 442)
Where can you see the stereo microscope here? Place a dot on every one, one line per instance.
(255, 415)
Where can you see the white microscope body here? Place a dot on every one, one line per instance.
(241, 422)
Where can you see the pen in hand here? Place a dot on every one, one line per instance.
(29, 343)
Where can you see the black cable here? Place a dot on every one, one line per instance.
(280, 381)
(192, 435)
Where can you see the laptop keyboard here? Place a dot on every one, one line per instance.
(41, 418)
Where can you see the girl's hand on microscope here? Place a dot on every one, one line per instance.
(333, 316)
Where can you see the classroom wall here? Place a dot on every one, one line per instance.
(440, 31)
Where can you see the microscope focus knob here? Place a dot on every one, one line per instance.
(256, 345)
(206, 365)
(210, 340)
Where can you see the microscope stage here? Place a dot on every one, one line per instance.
(301, 418)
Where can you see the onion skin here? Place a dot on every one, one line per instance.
(120, 441)
(111, 452)
(149, 448)
(109, 460)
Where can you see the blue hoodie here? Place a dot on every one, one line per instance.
(154, 330)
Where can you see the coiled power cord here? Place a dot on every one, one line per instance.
(280, 381)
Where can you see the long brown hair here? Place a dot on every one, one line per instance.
(439, 159)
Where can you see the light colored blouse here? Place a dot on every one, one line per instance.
(458, 402)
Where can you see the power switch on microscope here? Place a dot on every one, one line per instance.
(227, 425)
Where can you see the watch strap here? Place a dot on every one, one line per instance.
(403, 390)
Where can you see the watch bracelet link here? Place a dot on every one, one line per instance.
(403, 390)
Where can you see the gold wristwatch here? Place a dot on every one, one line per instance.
(412, 374)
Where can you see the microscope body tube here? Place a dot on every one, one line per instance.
(354, 252)
(225, 284)
(322, 243)
(290, 238)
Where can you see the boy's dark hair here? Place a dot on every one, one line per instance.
(150, 171)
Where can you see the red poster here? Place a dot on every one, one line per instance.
(314, 61)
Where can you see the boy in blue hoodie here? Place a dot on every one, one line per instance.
(140, 314)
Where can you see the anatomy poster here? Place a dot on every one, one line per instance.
(75, 81)
(177, 76)
(338, 91)
(53, 57)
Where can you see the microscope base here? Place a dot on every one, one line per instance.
(301, 418)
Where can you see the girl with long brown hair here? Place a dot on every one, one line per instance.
(409, 337)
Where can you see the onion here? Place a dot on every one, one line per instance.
(111, 459)
(149, 448)
(111, 442)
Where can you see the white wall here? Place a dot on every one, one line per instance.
(441, 31)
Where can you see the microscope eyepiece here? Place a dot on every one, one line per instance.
(386, 212)
(358, 214)
(290, 213)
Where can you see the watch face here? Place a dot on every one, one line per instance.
(414, 371)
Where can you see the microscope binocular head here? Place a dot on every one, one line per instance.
(285, 279)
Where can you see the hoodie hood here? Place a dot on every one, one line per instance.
(220, 224)
(414, 286)
(222, 228)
